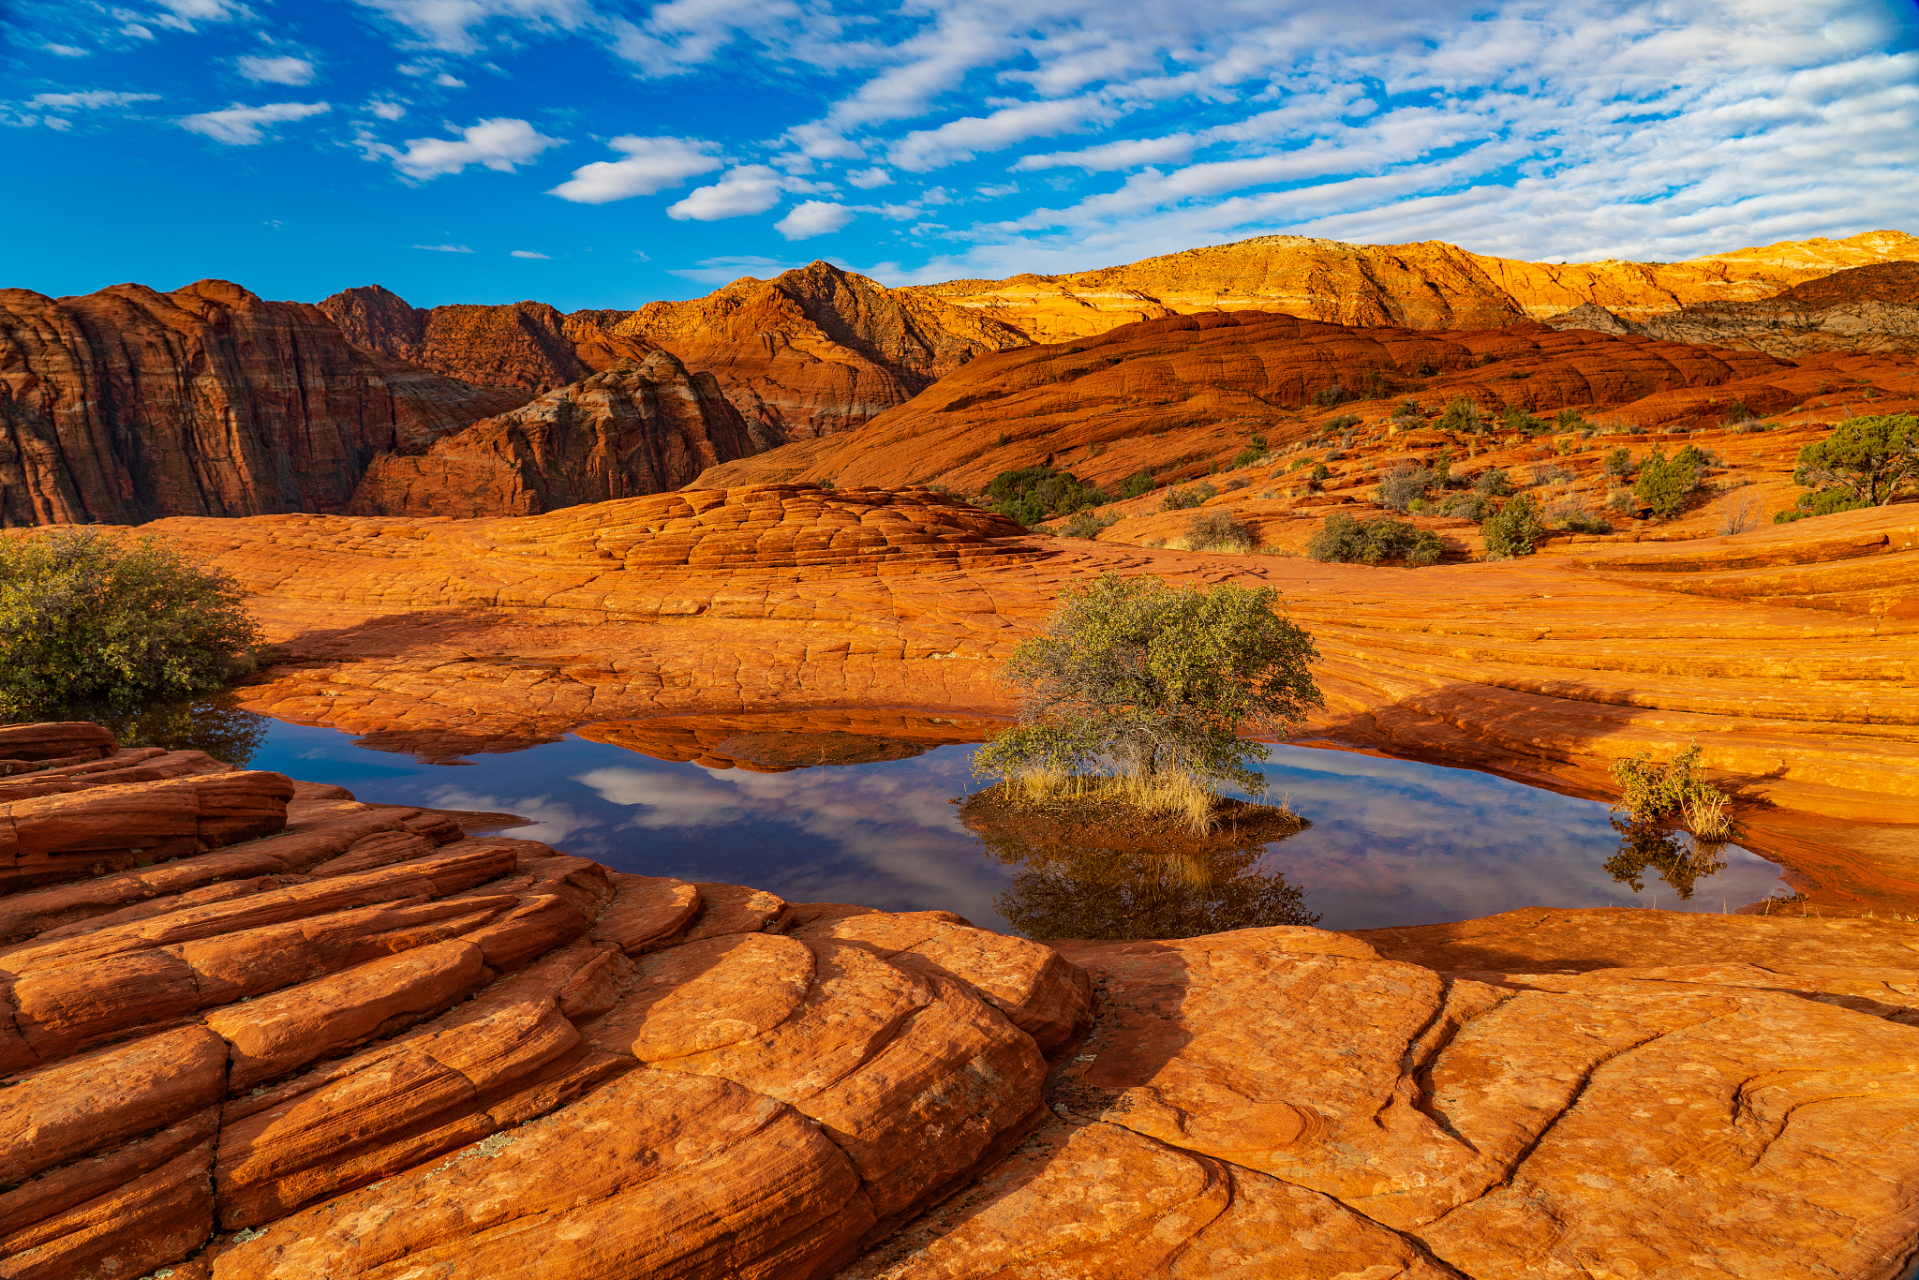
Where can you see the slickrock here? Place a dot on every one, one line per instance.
(1158, 394)
(638, 428)
(818, 350)
(488, 1059)
(1427, 285)
(1873, 308)
(128, 404)
(525, 345)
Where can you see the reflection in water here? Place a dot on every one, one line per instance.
(1101, 874)
(1681, 860)
(215, 725)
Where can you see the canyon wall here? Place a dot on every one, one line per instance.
(129, 404)
(641, 427)
(526, 345)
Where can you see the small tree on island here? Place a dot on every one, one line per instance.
(1138, 680)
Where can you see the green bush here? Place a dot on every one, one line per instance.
(1649, 791)
(1344, 540)
(1492, 482)
(1187, 499)
(1152, 680)
(1344, 422)
(87, 619)
(1514, 418)
(1618, 464)
(1570, 420)
(1086, 524)
(1327, 397)
(1137, 485)
(1664, 485)
(1401, 486)
(1032, 494)
(1471, 506)
(1515, 530)
(1825, 502)
(1461, 415)
(1219, 531)
(1871, 458)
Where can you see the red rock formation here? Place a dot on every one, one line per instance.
(127, 405)
(1163, 393)
(527, 345)
(818, 350)
(356, 1043)
(638, 428)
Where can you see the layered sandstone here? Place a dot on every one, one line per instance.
(819, 350)
(1874, 308)
(127, 405)
(528, 346)
(351, 1041)
(1427, 285)
(641, 427)
(1160, 395)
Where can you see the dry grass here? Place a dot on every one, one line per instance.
(1707, 814)
(1178, 797)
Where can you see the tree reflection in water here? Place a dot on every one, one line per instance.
(1682, 860)
(217, 725)
(1123, 876)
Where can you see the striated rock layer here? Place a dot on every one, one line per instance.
(525, 345)
(126, 405)
(638, 428)
(347, 1040)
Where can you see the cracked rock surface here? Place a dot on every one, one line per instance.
(317, 1038)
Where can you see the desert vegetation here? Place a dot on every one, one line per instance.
(1031, 495)
(88, 621)
(1345, 540)
(1865, 462)
(1137, 693)
(1651, 791)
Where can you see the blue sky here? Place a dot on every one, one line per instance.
(592, 153)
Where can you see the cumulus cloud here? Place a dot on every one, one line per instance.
(747, 189)
(962, 139)
(528, 253)
(243, 126)
(651, 165)
(497, 144)
(387, 110)
(867, 179)
(813, 218)
(284, 69)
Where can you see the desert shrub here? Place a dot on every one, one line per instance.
(1408, 410)
(1825, 502)
(1399, 487)
(1492, 482)
(87, 619)
(1219, 531)
(1514, 418)
(1552, 474)
(1188, 498)
(1650, 791)
(1136, 486)
(1571, 420)
(1320, 471)
(1461, 415)
(1873, 458)
(1327, 397)
(1345, 540)
(1618, 464)
(1664, 484)
(1583, 521)
(1741, 512)
(1032, 494)
(1255, 451)
(1515, 529)
(1344, 422)
(1740, 413)
(1086, 524)
(1470, 506)
(1145, 680)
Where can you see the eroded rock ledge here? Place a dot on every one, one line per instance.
(255, 1028)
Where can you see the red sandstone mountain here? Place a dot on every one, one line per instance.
(636, 429)
(527, 344)
(1872, 308)
(819, 350)
(128, 404)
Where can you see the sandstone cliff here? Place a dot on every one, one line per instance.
(1427, 285)
(635, 429)
(128, 404)
(819, 350)
(1874, 308)
(526, 345)
(323, 1040)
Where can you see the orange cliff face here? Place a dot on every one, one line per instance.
(527, 345)
(635, 429)
(818, 350)
(127, 404)
(1162, 395)
(1427, 285)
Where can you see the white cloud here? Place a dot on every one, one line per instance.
(243, 126)
(280, 70)
(748, 189)
(182, 14)
(724, 270)
(444, 248)
(497, 144)
(449, 24)
(387, 110)
(88, 100)
(528, 253)
(867, 179)
(813, 218)
(67, 51)
(962, 139)
(652, 165)
(447, 80)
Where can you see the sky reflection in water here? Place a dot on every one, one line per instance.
(1392, 842)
